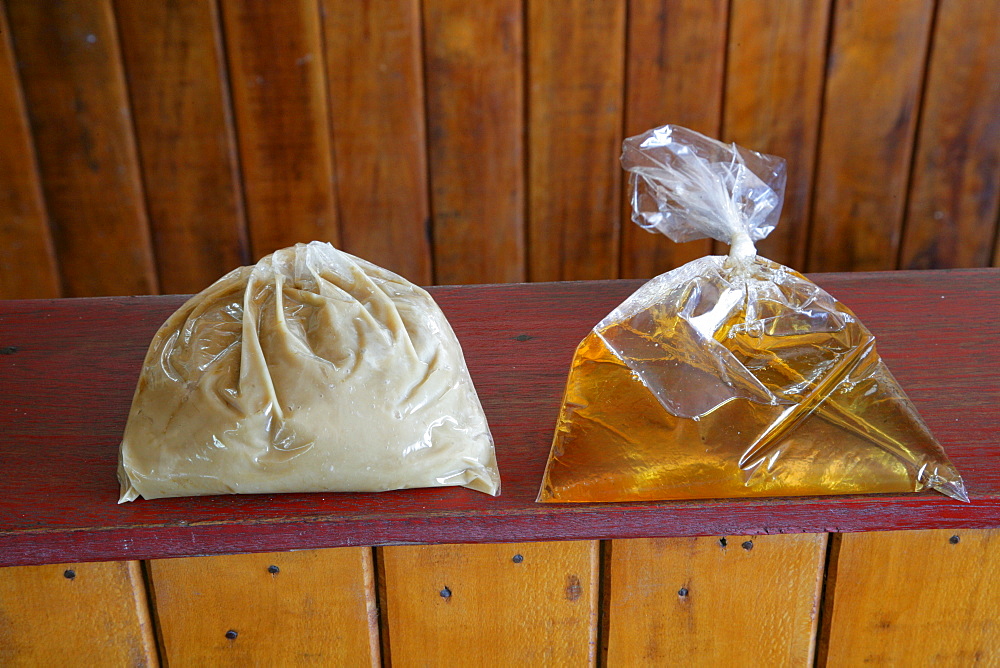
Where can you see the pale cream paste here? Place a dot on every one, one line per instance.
(312, 371)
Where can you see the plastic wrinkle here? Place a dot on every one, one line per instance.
(312, 371)
(688, 186)
(731, 375)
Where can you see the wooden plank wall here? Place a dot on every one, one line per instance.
(151, 147)
(896, 598)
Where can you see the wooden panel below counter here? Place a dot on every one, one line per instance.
(516, 604)
(291, 608)
(910, 598)
(703, 601)
(891, 598)
(75, 615)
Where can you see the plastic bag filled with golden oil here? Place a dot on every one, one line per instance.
(730, 376)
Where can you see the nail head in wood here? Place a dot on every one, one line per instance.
(748, 545)
(69, 574)
(517, 558)
(273, 570)
(445, 593)
(231, 634)
(954, 540)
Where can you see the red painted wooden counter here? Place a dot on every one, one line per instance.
(68, 369)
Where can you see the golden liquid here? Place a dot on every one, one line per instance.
(841, 425)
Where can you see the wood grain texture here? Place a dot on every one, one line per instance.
(866, 139)
(996, 251)
(27, 261)
(299, 74)
(62, 507)
(954, 194)
(697, 601)
(774, 85)
(575, 59)
(914, 598)
(173, 59)
(71, 70)
(75, 615)
(317, 609)
(375, 76)
(475, 118)
(675, 62)
(483, 604)
(276, 71)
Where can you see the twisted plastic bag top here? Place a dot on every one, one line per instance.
(689, 186)
(730, 376)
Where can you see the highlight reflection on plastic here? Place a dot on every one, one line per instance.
(735, 376)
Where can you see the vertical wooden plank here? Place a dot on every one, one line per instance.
(475, 117)
(996, 250)
(318, 607)
(576, 51)
(774, 84)
(874, 74)
(703, 601)
(910, 598)
(91, 614)
(527, 604)
(78, 106)
(954, 194)
(27, 261)
(173, 60)
(675, 66)
(275, 57)
(375, 74)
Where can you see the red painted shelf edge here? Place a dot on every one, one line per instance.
(590, 522)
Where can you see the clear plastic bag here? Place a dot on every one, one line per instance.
(313, 371)
(730, 376)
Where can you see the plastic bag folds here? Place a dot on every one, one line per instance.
(313, 371)
(730, 376)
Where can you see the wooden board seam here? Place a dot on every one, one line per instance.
(154, 615)
(605, 585)
(807, 240)
(626, 218)
(822, 636)
(381, 601)
(527, 151)
(917, 122)
(719, 247)
(328, 119)
(428, 185)
(229, 114)
(721, 121)
(140, 172)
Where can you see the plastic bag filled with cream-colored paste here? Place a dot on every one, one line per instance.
(313, 371)
(730, 376)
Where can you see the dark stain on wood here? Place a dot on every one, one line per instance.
(573, 588)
